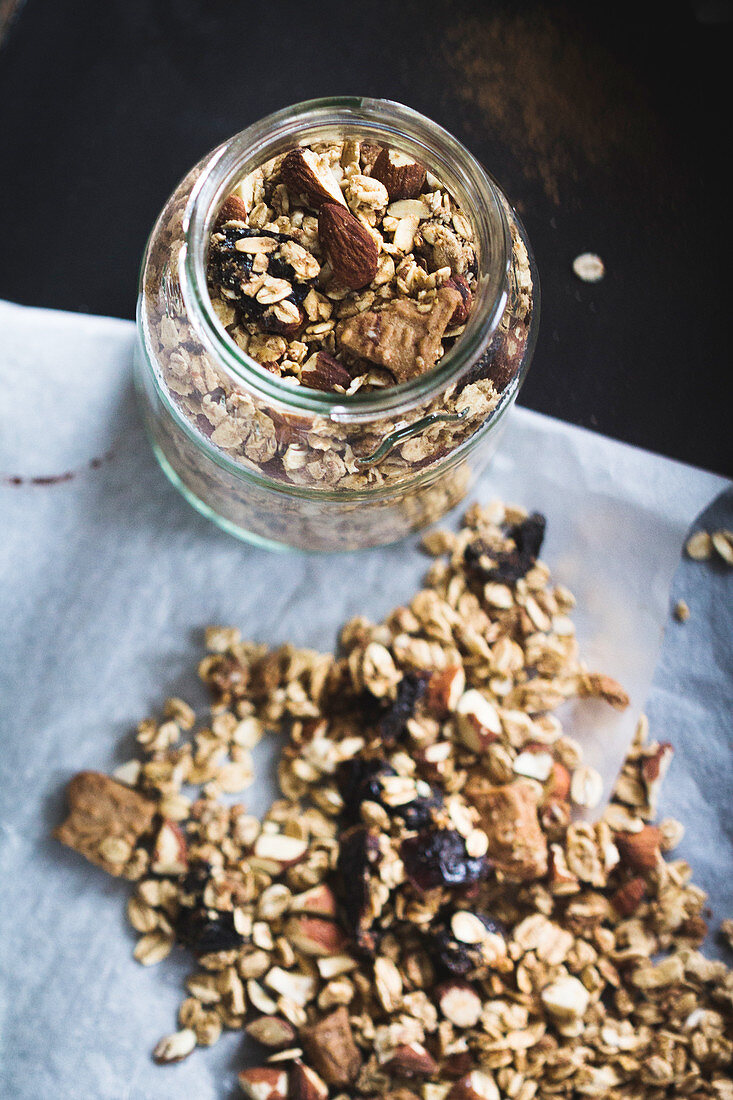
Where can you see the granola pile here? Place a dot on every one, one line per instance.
(343, 266)
(421, 914)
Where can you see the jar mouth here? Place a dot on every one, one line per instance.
(404, 129)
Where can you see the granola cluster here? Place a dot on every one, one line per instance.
(343, 266)
(421, 914)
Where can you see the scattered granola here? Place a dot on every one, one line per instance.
(420, 915)
(704, 545)
(589, 267)
(681, 611)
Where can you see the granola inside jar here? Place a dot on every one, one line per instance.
(337, 309)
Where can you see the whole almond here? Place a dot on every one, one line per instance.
(323, 372)
(304, 175)
(403, 178)
(232, 210)
(350, 247)
(640, 851)
(461, 312)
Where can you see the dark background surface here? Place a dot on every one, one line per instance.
(607, 125)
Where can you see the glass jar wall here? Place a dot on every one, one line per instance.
(284, 465)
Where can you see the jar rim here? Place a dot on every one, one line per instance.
(408, 130)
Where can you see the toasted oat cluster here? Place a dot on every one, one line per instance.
(420, 915)
(343, 266)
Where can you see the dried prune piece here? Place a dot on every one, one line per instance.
(358, 854)
(232, 271)
(460, 956)
(394, 720)
(206, 930)
(419, 813)
(357, 782)
(438, 857)
(529, 535)
(507, 566)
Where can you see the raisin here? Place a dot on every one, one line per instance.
(206, 930)
(529, 535)
(357, 782)
(439, 858)
(394, 720)
(358, 854)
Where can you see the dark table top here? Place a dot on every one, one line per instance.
(607, 125)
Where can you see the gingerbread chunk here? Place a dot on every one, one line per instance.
(517, 845)
(399, 337)
(331, 1049)
(106, 820)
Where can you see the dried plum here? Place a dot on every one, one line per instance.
(507, 566)
(439, 858)
(394, 720)
(206, 930)
(529, 535)
(232, 271)
(358, 781)
(358, 854)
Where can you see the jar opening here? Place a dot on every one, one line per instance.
(384, 122)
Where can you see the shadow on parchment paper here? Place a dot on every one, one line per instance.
(691, 706)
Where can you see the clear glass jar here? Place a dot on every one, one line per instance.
(295, 467)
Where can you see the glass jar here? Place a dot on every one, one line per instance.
(294, 467)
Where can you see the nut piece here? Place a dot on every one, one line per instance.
(102, 809)
(444, 690)
(315, 936)
(460, 1003)
(176, 1047)
(474, 1086)
(629, 897)
(350, 247)
(304, 174)
(640, 851)
(461, 312)
(478, 721)
(404, 178)
(566, 999)
(264, 1083)
(305, 1084)
(517, 845)
(411, 1060)
(233, 209)
(279, 850)
(170, 851)
(598, 685)
(272, 1031)
(319, 901)
(399, 337)
(330, 1047)
(323, 372)
(723, 544)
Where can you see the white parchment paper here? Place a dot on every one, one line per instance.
(108, 578)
